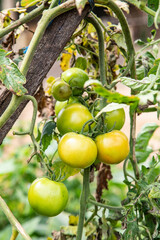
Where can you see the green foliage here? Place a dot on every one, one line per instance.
(10, 75)
(142, 149)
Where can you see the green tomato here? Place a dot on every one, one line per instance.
(61, 91)
(46, 197)
(115, 119)
(77, 150)
(72, 118)
(76, 78)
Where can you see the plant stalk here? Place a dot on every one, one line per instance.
(14, 222)
(83, 202)
(27, 18)
(100, 35)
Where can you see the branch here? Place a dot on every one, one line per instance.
(14, 222)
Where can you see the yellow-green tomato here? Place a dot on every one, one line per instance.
(61, 90)
(113, 147)
(47, 197)
(72, 118)
(77, 150)
(115, 119)
(76, 78)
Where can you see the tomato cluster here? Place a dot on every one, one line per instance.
(80, 143)
(76, 147)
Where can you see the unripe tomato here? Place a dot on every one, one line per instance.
(115, 119)
(72, 118)
(61, 90)
(77, 150)
(76, 78)
(113, 147)
(47, 197)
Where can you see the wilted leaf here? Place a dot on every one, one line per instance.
(61, 170)
(115, 96)
(10, 75)
(142, 149)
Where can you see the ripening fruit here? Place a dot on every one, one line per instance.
(113, 147)
(77, 150)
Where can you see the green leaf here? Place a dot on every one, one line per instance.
(148, 96)
(81, 63)
(29, 3)
(132, 231)
(111, 107)
(153, 4)
(153, 174)
(153, 70)
(119, 39)
(61, 170)
(92, 82)
(10, 75)
(155, 192)
(47, 133)
(142, 149)
(136, 85)
(115, 96)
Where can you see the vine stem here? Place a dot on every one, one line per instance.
(14, 222)
(133, 141)
(83, 201)
(99, 31)
(98, 204)
(14, 233)
(30, 16)
(131, 55)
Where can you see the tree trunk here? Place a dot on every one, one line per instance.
(51, 45)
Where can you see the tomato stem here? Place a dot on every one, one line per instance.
(14, 222)
(102, 65)
(83, 201)
(98, 204)
(14, 233)
(28, 17)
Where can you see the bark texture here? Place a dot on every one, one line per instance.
(51, 45)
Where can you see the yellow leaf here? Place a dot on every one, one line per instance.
(65, 61)
(73, 220)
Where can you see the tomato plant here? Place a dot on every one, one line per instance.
(47, 197)
(113, 147)
(72, 118)
(70, 138)
(77, 150)
(61, 91)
